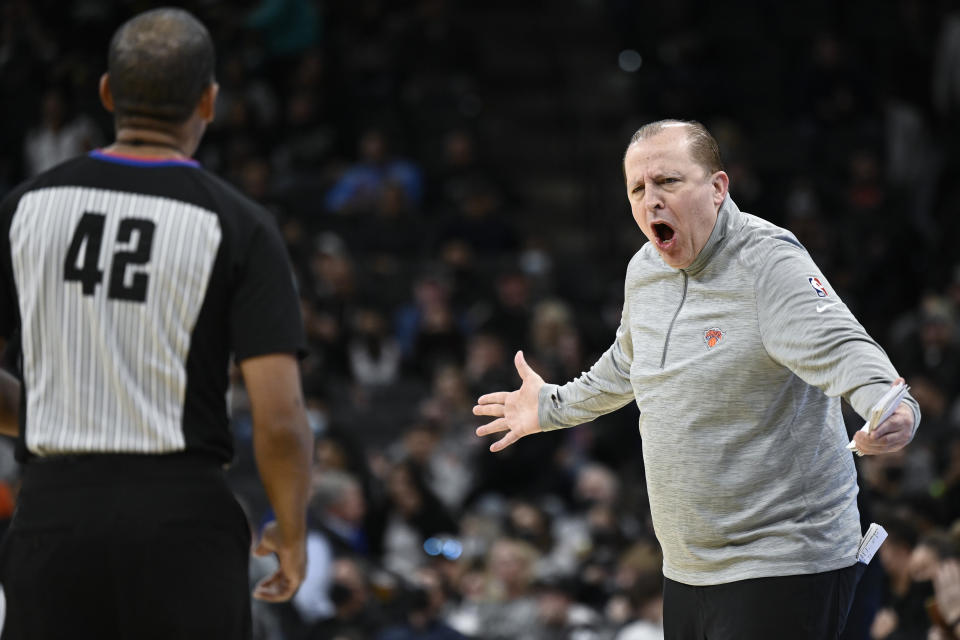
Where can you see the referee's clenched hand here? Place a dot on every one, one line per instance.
(515, 411)
(292, 556)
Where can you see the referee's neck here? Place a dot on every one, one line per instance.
(152, 142)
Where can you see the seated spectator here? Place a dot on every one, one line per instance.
(510, 608)
(423, 605)
(57, 138)
(374, 354)
(646, 609)
(357, 614)
(561, 616)
(414, 514)
(360, 187)
(904, 615)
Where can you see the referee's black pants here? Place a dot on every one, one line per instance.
(804, 607)
(126, 547)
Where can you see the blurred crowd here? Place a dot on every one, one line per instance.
(446, 176)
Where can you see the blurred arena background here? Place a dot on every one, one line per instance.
(447, 176)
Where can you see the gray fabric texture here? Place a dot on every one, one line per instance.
(743, 441)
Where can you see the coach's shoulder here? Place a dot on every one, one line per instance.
(762, 242)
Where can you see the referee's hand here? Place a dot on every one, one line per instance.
(284, 582)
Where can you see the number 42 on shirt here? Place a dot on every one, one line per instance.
(82, 263)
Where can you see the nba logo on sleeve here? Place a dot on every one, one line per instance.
(818, 286)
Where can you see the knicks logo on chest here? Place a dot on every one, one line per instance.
(712, 337)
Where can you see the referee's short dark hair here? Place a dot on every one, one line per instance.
(160, 62)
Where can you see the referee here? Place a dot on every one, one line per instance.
(128, 277)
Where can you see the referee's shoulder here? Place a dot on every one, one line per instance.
(51, 176)
(231, 199)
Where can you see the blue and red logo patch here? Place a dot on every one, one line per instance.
(818, 286)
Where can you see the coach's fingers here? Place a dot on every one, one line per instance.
(494, 410)
(899, 420)
(496, 426)
(504, 442)
(497, 397)
(873, 445)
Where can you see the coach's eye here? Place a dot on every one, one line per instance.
(638, 188)
(670, 180)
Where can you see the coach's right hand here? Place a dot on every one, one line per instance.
(292, 556)
(515, 411)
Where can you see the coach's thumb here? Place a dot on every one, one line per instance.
(522, 367)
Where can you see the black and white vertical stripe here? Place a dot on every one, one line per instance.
(106, 375)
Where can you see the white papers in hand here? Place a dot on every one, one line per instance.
(882, 410)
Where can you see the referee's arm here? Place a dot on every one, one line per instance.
(9, 404)
(9, 400)
(282, 446)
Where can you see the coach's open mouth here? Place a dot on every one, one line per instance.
(664, 233)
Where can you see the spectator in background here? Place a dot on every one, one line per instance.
(288, 26)
(561, 616)
(415, 513)
(480, 222)
(486, 366)
(334, 530)
(510, 608)
(946, 584)
(360, 187)
(646, 608)
(511, 313)
(904, 615)
(374, 354)
(423, 604)
(58, 137)
(932, 346)
(357, 614)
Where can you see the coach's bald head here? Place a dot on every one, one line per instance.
(160, 64)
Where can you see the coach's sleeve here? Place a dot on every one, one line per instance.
(604, 388)
(806, 327)
(265, 310)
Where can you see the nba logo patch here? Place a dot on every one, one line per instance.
(817, 286)
(712, 337)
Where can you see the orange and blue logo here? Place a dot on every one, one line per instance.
(817, 286)
(712, 337)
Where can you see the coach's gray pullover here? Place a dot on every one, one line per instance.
(737, 364)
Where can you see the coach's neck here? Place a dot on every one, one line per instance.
(144, 136)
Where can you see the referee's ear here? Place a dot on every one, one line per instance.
(207, 107)
(106, 95)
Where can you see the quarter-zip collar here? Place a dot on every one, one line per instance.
(726, 219)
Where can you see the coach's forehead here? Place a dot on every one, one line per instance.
(668, 148)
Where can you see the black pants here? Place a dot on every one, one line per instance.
(804, 607)
(126, 547)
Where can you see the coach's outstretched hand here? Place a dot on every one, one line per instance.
(890, 435)
(515, 411)
(292, 556)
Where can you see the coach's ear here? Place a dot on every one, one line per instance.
(106, 95)
(721, 184)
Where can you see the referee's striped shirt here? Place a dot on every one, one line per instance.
(127, 284)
